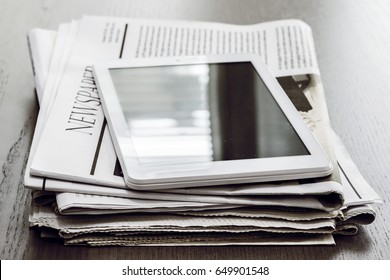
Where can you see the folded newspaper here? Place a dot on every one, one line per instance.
(85, 177)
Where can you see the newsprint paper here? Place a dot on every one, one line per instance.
(103, 169)
(267, 223)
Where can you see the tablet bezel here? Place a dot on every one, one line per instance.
(316, 164)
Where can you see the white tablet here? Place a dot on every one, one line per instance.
(199, 121)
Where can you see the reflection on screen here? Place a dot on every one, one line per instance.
(201, 113)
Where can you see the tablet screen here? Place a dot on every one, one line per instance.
(202, 112)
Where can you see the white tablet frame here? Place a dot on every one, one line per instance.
(316, 164)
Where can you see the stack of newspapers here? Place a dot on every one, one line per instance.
(79, 194)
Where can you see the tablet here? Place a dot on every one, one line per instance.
(200, 121)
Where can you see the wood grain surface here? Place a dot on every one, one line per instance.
(352, 41)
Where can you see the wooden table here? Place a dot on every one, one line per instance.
(352, 41)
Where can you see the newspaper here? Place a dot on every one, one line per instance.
(180, 230)
(280, 226)
(58, 185)
(98, 205)
(104, 38)
(110, 157)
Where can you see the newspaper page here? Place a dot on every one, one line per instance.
(102, 239)
(98, 205)
(58, 185)
(180, 230)
(104, 38)
(200, 238)
(67, 186)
